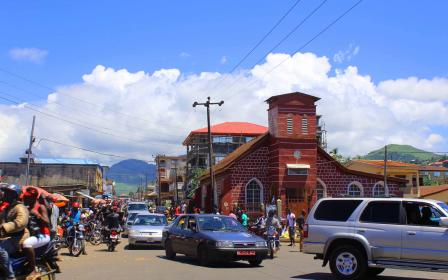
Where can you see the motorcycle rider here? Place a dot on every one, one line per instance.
(14, 222)
(74, 218)
(113, 220)
(38, 226)
(273, 221)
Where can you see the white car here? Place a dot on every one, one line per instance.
(146, 229)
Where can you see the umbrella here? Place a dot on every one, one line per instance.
(59, 197)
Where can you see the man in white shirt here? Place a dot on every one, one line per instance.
(291, 220)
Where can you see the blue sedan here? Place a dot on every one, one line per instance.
(213, 237)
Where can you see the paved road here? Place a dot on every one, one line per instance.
(151, 264)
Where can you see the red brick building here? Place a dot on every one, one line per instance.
(288, 163)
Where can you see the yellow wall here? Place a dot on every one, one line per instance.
(408, 172)
(442, 196)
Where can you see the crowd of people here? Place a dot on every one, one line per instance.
(30, 219)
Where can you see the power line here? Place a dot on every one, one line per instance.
(306, 44)
(279, 21)
(69, 121)
(87, 112)
(68, 95)
(88, 150)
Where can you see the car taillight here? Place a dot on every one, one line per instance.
(305, 231)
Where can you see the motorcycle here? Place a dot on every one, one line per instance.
(46, 263)
(273, 240)
(72, 239)
(114, 239)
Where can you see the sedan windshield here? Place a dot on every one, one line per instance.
(137, 207)
(150, 220)
(219, 223)
(443, 205)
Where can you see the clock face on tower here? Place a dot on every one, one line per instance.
(297, 154)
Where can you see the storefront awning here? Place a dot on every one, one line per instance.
(297, 166)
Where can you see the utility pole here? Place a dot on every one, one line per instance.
(385, 167)
(210, 151)
(29, 151)
(175, 181)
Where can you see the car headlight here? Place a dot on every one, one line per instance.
(261, 244)
(224, 244)
(134, 232)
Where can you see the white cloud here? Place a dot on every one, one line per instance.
(433, 139)
(223, 60)
(152, 112)
(346, 55)
(28, 54)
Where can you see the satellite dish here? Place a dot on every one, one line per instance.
(297, 154)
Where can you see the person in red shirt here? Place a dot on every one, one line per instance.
(40, 225)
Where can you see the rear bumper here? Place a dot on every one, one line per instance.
(231, 254)
(144, 240)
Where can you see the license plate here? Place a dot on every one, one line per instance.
(245, 253)
(114, 236)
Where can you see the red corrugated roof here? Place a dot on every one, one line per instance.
(428, 190)
(231, 128)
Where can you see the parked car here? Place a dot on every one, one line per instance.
(146, 230)
(211, 238)
(130, 220)
(361, 237)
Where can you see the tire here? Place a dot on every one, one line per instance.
(374, 271)
(271, 249)
(95, 239)
(44, 270)
(348, 263)
(169, 252)
(202, 256)
(255, 262)
(76, 248)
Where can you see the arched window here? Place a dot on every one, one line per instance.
(321, 189)
(254, 195)
(355, 189)
(379, 190)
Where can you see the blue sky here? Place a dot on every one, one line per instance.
(396, 38)
(386, 40)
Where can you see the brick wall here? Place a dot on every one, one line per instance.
(253, 165)
(337, 181)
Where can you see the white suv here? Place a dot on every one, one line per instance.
(362, 236)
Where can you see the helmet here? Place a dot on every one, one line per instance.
(75, 204)
(12, 189)
(271, 213)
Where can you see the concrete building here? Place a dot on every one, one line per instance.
(287, 163)
(430, 175)
(170, 177)
(226, 138)
(62, 175)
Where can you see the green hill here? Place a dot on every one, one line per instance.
(405, 153)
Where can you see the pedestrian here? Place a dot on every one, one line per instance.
(291, 224)
(232, 215)
(184, 208)
(244, 219)
(301, 223)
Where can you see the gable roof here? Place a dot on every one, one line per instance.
(355, 172)
(230, 128)
(429, 190)
(291, 94)
(231, 158)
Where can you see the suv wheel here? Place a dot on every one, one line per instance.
(169, 252)
(348, 263)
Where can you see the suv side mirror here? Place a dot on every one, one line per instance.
(443, 222)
